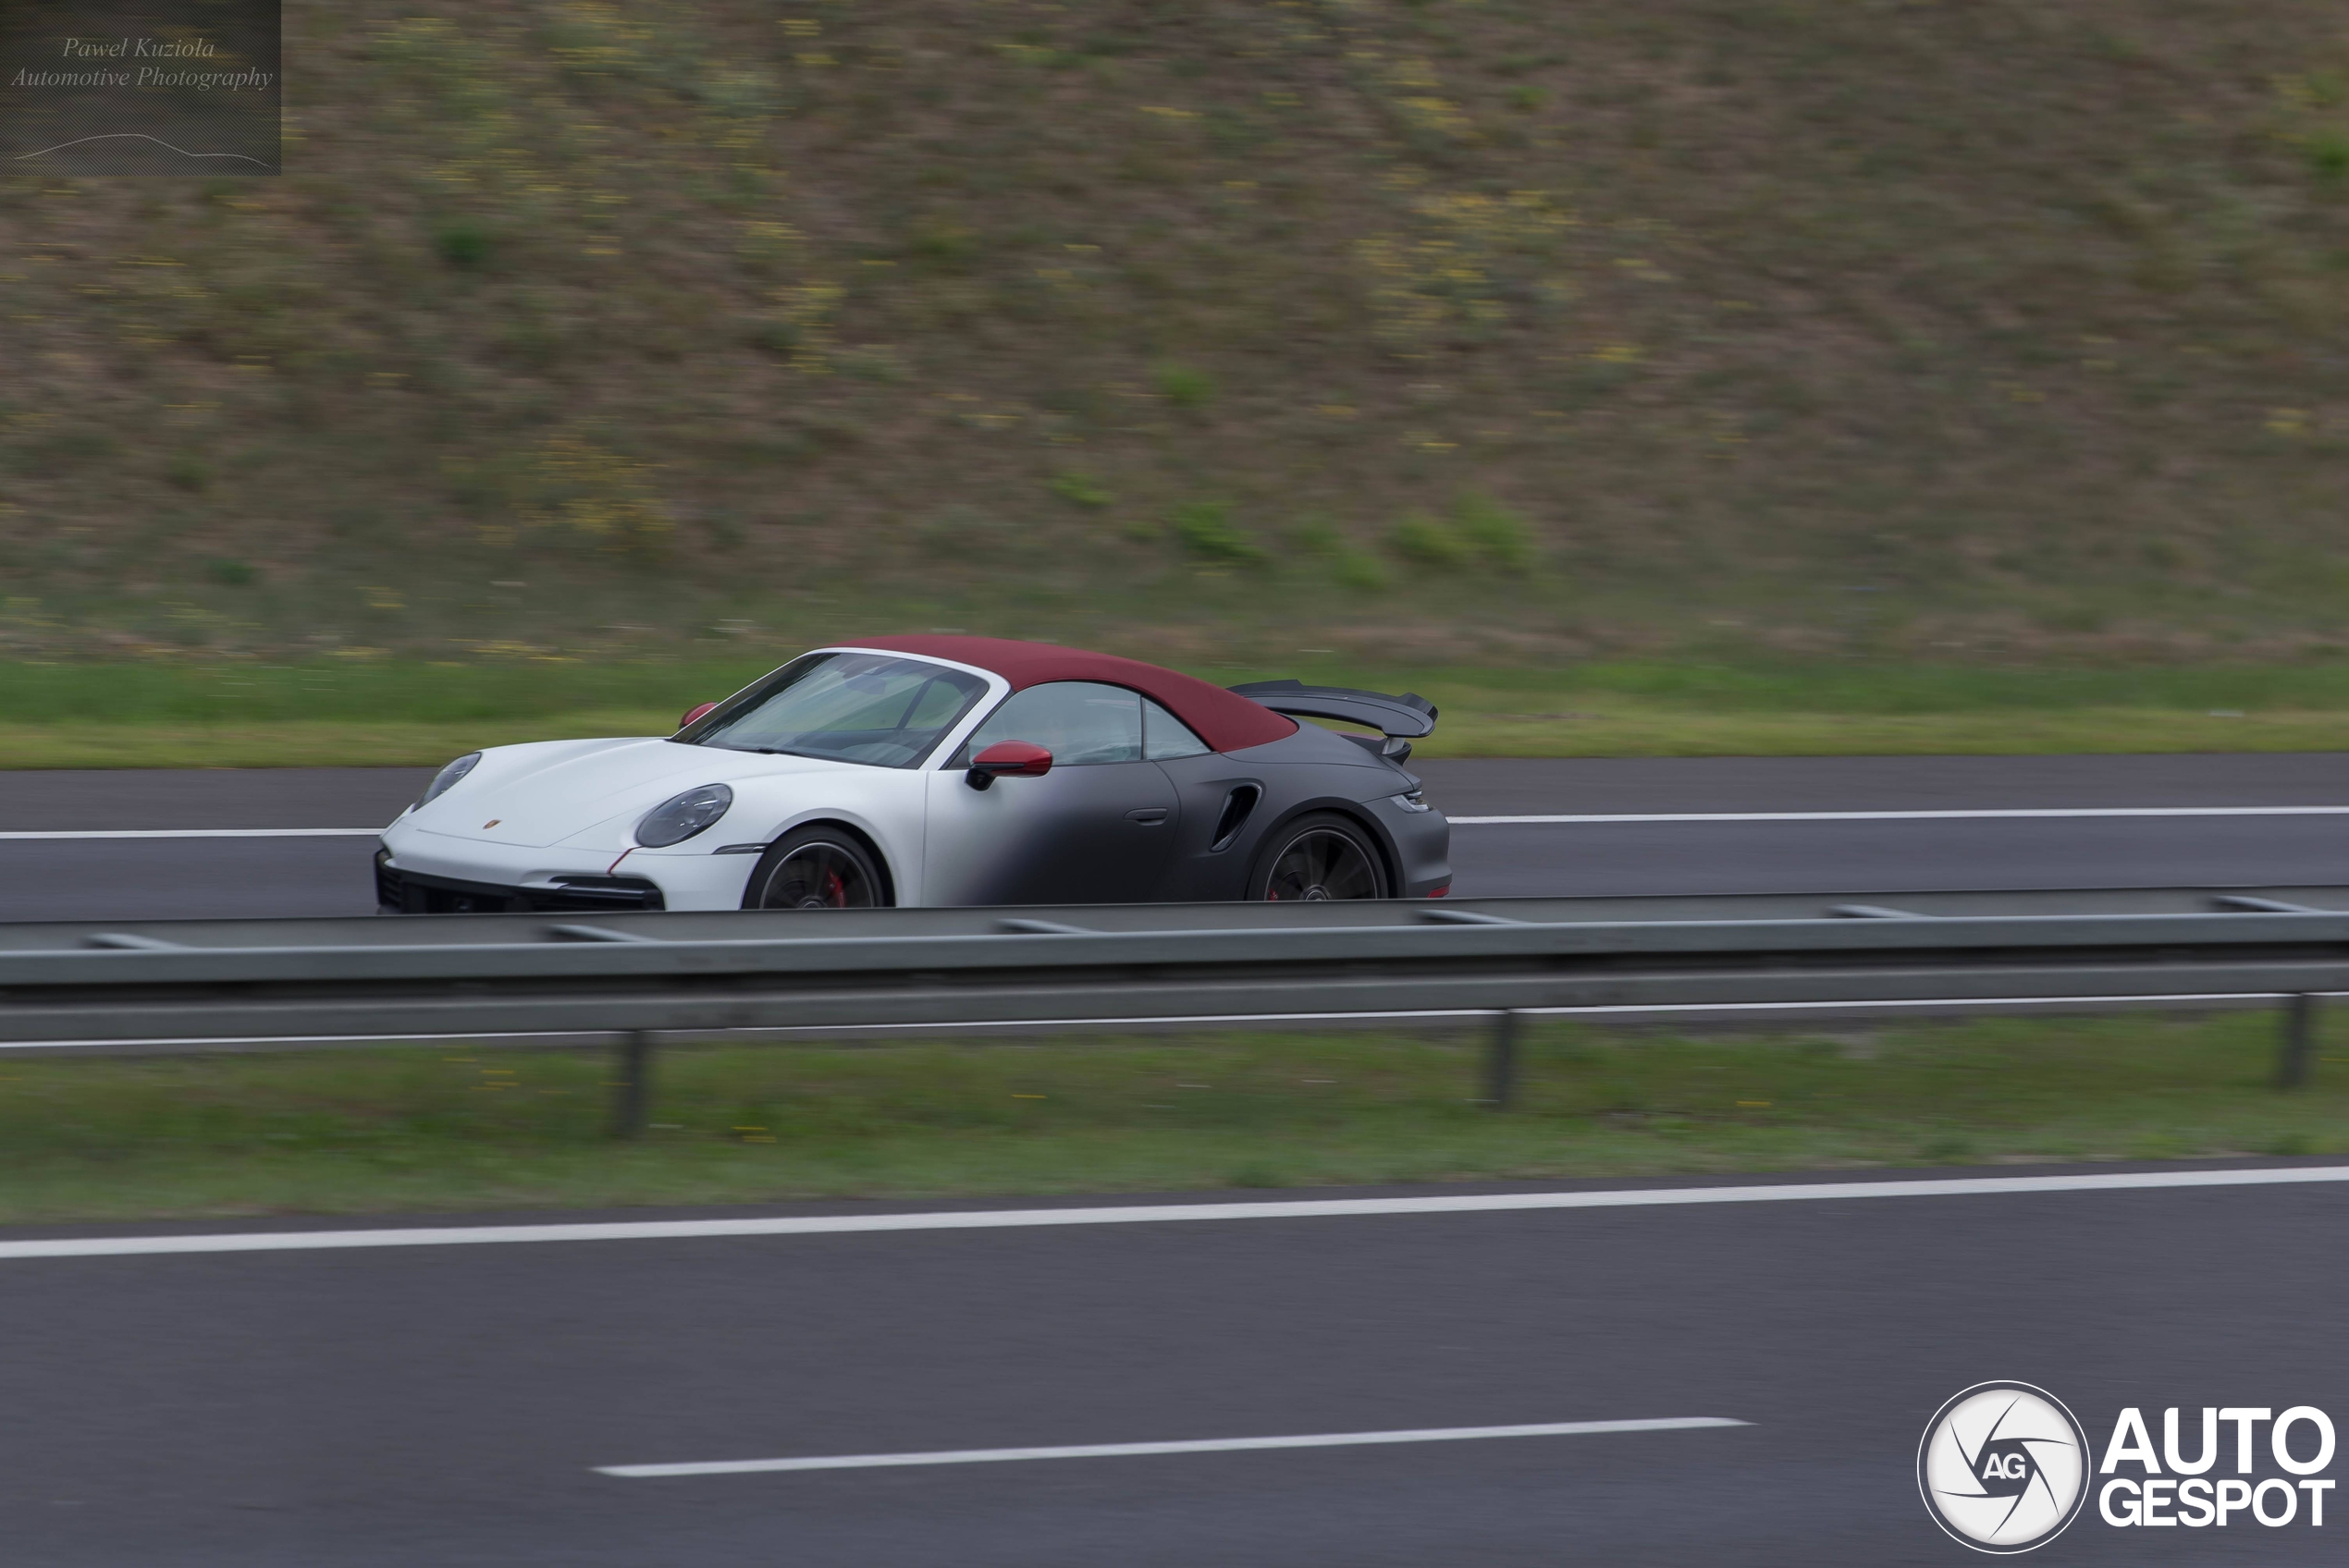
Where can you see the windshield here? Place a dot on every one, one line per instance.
(846, 707)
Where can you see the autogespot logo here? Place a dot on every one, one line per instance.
(2004, 1467)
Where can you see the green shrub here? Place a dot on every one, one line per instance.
(943, 247)
(188, 471)
(1206, 530)
(1185, 386)
(780, 337)
(463, 243)
(2328, 152)
(1079, 488)
(873, 364)
(1493, 532)
(236, 574)
(1359, 570)
(1316, 537)
(1426, 541)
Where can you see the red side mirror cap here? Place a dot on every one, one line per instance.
(1022, 759)
(693, 713)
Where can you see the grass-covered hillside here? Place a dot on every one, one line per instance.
(1485, 330)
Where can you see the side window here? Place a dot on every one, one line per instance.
(1165, 736)
(1077, 721)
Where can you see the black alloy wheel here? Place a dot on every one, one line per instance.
(1317, 858)
(815, 868)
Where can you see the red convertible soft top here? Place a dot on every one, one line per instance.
(1226, 720)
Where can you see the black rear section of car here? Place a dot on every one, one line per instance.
(1233, 805)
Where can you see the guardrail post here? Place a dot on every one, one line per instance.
(1500, 1062)
(632, 1091)
(2299, 1040)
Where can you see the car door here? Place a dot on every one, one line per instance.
(1097, 828)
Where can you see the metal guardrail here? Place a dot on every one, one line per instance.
(197, 985)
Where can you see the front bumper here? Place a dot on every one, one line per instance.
(415, 892)
(423, 872)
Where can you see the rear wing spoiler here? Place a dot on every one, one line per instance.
(1405, 718)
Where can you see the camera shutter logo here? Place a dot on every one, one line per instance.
(2004, 1467)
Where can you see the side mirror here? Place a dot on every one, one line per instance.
(693, 713)
(1022, 759)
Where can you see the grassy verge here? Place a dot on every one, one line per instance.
(353, 745)
(108, 716)
(302, 744)
(450, 1129)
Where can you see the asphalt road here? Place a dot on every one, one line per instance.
(114, 878)
(449, 1405)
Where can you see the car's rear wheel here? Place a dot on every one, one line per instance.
(1318, 857)
(817, 867)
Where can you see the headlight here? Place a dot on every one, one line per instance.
(1412, 801)
(446, 778)
(674, 821)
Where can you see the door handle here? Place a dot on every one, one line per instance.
(1148, 817)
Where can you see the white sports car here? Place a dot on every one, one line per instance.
(939, 770)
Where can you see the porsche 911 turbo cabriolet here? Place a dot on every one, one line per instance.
(940, 770)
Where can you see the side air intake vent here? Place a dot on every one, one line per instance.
(1237, 806)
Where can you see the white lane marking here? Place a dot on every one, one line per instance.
(1148, 1214)
(1124, 1451)
(200, 833)
(1604, 817)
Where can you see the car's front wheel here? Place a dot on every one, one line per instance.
(1319, 856)
(816, 867)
